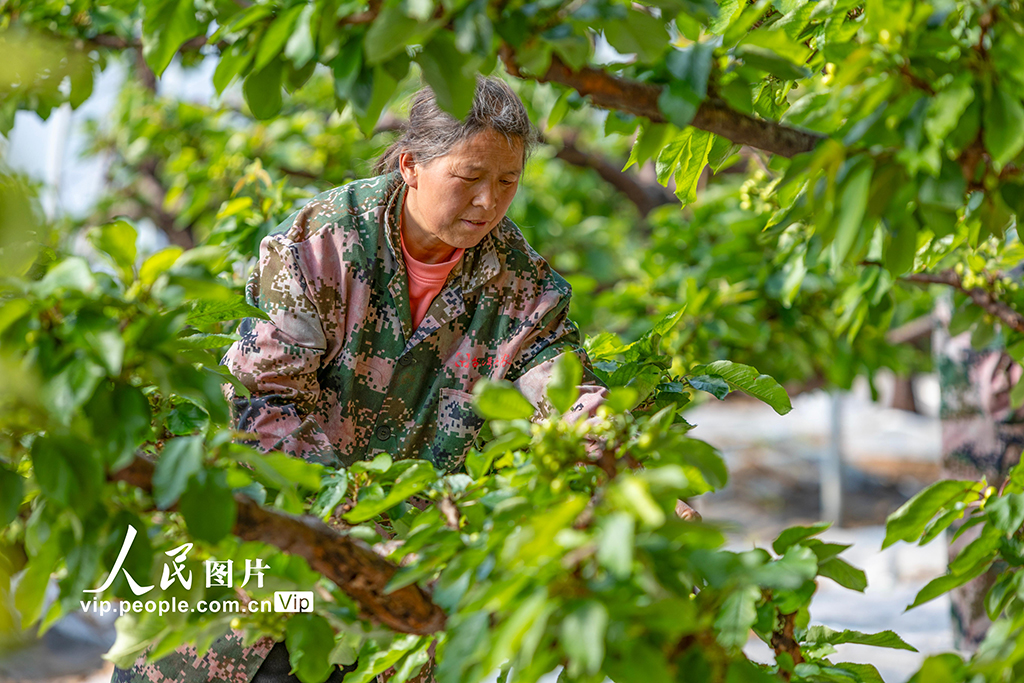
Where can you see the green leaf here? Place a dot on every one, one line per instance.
(73, 386)
(292, 470)
(417, 477)
(1003, 129)
(444, 69)
(180, 459)
(908, 522)
(207, 341)
(381, 86)
(980, 550)
(157, 264)
(71, 274)
(638, 33)
(615, 547)
(648, 142)
(499, 400)
(205, 312)
(276, 36)
(766, 59)
(467, 639)
(685, 157)
(208, 506)
(749, 380)
(942, 522)
(944, 668)
(853, 204)
(332, 492)
(946, 583)
(310, 639)
(795, 534)
(789, 572)
(389, 33)
(737, 617)
(11, 493)
(186, 417)
(233, 61)
(1006, 512)
(705, 458)
(166, 25)
(262, 90)
(478, 463)
(301, 47)
(692, 65)
(948, 106)
(714, 385)
(743, 671)
(30, 593)
(865, 673)
(889, 639)
(563, 387)
(1017, 394)
(117, 240)
(583, 632)
(67, 471)
(844, 574)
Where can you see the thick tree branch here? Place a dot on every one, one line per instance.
(993, 306)
(611, 92)
(346, 561)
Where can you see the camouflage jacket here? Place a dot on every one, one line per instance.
(338, 374)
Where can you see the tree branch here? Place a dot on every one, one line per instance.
(346, 561)
(646, 197)
(641, 99)
(993, 306)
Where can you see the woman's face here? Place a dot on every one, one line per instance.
(454, 200)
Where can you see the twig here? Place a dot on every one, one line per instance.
(981, 297)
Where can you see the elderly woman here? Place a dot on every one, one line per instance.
(388, 299)
(391, 297)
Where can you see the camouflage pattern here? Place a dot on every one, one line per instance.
(226, 660)
(982, 436)
(338, 374)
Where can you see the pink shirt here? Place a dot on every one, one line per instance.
(425, 281)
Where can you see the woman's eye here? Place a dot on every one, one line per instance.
(469, 179)
(508, 183)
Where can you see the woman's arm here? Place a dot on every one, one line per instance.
(531, 370)
(278, 359)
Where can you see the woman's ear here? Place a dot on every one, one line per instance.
(407, 167)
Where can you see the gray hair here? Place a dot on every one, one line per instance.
(433, 132)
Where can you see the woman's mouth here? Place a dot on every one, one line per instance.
(475, 224)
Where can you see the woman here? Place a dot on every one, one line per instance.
(388, 299)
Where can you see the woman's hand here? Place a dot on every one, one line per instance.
(684, 511)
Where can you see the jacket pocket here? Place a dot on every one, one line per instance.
(457, 428)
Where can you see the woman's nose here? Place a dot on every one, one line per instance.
(486, 196)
